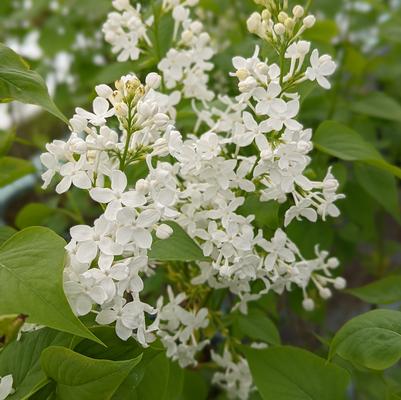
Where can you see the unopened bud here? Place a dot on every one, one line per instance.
(279, 29)
(142, 186)
(325, 293)
(121, 110)
(104, 91)
(308, 304)
(266, 15)
(309, 21)
(242, 74)
(153, 80)
(282, 16)
(254, 22)
(298, 11)
(340, 283)
(164, 231)
(333, 262)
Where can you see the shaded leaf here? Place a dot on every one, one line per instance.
(12, 168)
(371, 340)
(178, 247)
(84, 378)
(343, 142)
(289, 373)
(18, 82)
(31, 275)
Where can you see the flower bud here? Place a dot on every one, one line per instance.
(242, 74)
(279, 29)
(161, 119)
(308, 304)
(333, 262)
(104, 91)
(248, 84)
(266, 15)
(121, 110)
(153, 80)
(262, 68)
(142, 186)
(282, 16)
(254, 22)
(78, 123)
(164, 231)
(309, 21)
(298, 11)
(289, 24)
(325, 293)
(340, 283)
(187, 36)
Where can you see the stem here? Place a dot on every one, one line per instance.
(130, 132)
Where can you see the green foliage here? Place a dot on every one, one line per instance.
(379, 105)
(383, 291)
(163, 379)
(12, 168)
(371, 340)
(81, 377)
(22, 360)
(178, 247)
(257, 327)
(288, 373)
(31, 267)
(340, 141)
(18, 82)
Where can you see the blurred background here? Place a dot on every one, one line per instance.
(63, 42)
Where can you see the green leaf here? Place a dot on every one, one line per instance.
(266, 212)
(195, 386)
(18, 82)
(289, 373)
(383, 291)
(31, 281)
(6, 232)
(378, 105)
(12, 168)
(22, 360)
(343, 142)
(323, 31)
(371, 340)
(6, 140)
(178, 247)
(116, 349)
(163, 380)
(84, 378)
(381, 185)
(34, 214)
(258, 327)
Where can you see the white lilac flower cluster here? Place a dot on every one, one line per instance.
(199, 181)
(186, 65)
(126, 30)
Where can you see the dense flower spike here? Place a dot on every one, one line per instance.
(253, 144)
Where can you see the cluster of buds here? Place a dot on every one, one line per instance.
(276, 25)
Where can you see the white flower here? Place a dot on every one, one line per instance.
(280, 117)
(6, 386)
(101, 111)
(74, 173)
(117, 196)
(92, 239)
(302, 209)
(320, 68)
